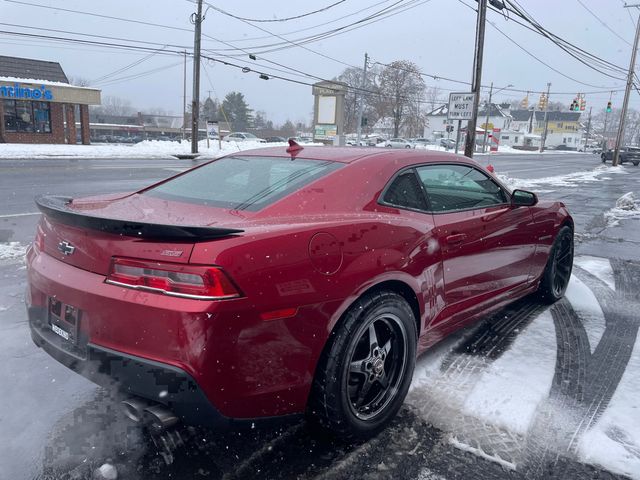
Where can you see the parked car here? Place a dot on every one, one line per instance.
(275, 140)
(562, 147)
(242, 137)
(590, 148)
(449, 143)
(421, 142)
(627, 154)
(256, 286)
(398, 143)
(374, 141)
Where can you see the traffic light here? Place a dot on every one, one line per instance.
(583, 104)
(542, 103)
(608, 107)
(449, 128)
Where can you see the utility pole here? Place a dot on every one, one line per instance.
(604, 129)
(627, 93)
(195, 101)
(486, 123)
(546, 119)
(184, 97)
(361, 97)
(586, 139)
(470, 142)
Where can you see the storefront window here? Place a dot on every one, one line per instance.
(32, 117)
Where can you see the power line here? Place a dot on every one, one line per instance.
(576, 52)
(291, 42)
(93, 35)
(603, 23)
(109, 17)
(387, 12)
(263, 20)
(139, 75)
(250, 39)
(125, 68)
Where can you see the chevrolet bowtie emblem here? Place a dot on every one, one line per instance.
(66, 248)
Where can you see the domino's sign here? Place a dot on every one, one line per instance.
(16, 91)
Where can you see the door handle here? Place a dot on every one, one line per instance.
(456, 238)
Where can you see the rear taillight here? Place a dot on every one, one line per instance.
(187, 281)
(39, 240)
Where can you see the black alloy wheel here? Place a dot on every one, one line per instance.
(557, 272)
(365, 370)
(378, 360)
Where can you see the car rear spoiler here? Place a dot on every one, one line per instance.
(58, 209)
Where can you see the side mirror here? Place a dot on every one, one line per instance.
(522, 198)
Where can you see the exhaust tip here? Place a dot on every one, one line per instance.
(133, 408)
(158, 418)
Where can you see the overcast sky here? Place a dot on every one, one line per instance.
(438, 35)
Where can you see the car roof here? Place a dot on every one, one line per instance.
(352, 154)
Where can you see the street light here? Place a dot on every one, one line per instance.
(486, 123)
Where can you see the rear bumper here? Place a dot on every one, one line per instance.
(130, 375)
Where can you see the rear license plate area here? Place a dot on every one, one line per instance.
(64, 320)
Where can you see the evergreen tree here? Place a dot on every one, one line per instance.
(237, 111)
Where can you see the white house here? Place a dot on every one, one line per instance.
(436, 121)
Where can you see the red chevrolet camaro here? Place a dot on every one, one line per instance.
(280, 282)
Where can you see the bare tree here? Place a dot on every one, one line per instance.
(355, 94)
(402, 87)
(79, 81)
(112, 105)
(433, 98)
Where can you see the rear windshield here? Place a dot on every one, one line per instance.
(243, 183)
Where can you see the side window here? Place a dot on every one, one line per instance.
(405, 191)
(459, 187)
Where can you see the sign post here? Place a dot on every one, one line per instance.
(213, 131)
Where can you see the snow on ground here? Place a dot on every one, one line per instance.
(627, 206)
(12, 250)
(509, 391)
(567, 180)
(614, 441)
(145, 149)
(586, 305)
(600, 267)
(164, 148)
(452, 391)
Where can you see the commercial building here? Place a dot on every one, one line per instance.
(38, 105)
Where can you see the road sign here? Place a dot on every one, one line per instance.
(460, 106)
(212, 129)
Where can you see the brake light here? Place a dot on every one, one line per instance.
(187, 281)
(39, 240)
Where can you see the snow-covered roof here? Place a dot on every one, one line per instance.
(4, 79)
(32, 69)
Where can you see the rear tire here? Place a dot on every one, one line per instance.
(365, 370)
(557, 272)
(636, 163)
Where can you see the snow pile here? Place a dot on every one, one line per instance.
(144, 149)
(12, 251)
(627, 206)
(568, 180)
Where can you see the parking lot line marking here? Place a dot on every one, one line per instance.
(11, 215)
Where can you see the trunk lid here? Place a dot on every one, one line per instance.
(87, 233)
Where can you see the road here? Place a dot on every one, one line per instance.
(54, 423)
